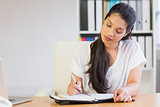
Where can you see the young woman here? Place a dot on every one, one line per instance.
(113, 63)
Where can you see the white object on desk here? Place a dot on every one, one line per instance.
(5, 102)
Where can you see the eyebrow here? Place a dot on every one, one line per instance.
(117, 28)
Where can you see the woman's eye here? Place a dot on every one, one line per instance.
(108, 25)
(119, 32)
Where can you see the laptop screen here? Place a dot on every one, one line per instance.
(3, 91)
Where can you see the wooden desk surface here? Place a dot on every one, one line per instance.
(144, 100)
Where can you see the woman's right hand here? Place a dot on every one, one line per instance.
(73, 88)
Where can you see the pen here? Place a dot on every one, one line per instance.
(75, 82)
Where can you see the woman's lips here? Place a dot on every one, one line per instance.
(107, 38)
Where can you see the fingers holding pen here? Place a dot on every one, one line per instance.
(74, 88)
(78, 87)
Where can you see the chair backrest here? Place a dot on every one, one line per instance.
(62, 72)
(148, 81)
(3, 91)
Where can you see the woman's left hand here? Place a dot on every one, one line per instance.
(122, 95)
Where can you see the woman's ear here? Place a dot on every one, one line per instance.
(127, 33)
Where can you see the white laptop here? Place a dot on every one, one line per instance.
(3, 92)
(18, 100)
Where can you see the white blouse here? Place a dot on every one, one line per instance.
(129, 56)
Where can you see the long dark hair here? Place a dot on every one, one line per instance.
(99, 58)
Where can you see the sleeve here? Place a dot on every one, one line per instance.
(77, 66)
(137, 56)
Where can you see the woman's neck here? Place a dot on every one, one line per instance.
(112, 47)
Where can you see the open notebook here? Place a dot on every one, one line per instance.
(83, 98)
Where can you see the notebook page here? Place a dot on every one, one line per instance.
(56, 97)
(102, 96)
(80, 97)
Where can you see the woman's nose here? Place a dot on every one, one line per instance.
(111, 33)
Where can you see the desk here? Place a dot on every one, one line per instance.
(144, 100)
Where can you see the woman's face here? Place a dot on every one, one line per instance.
(113, 29)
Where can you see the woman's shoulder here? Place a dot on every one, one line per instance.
(83, 45)
(83, 48)
(130, 43)
(82, 52)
